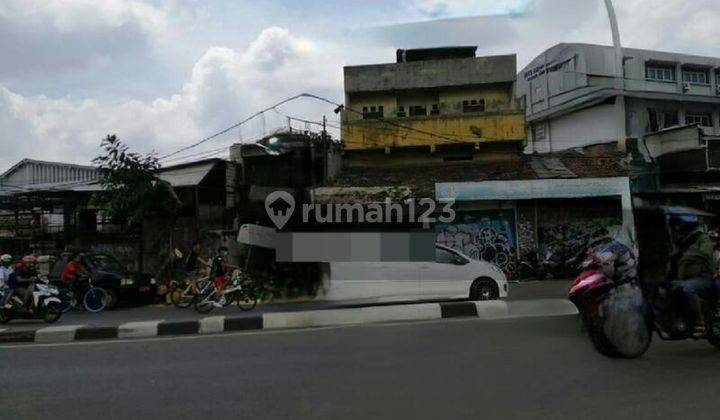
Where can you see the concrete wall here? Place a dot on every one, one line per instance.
(430, 74)
(371, 134)
(444, 84)
(569, 77)
(581, 128)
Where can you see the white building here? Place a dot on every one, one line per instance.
(571, 95)
(30, 174)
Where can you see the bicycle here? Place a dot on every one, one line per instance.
(182, 295)
(94, 299)
(240, 291)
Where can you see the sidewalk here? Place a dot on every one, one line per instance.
(525, 299)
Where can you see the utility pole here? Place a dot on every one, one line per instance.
(628, 225)
(325, 149)
(619, 74)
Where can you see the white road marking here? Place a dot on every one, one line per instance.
(212, 325)
(56, 334)
(138, 329)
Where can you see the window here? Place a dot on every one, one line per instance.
(418, 110)
(443, 256)
(702, 119)
(538, 132)
(474, 105)
(659, 119)
(695, 76)
(660, 73)
(713, 154)
(435, 110)
(401, 112)
(373, 112)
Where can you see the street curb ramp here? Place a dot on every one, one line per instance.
(301, 319)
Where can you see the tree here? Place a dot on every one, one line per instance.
(131, 190)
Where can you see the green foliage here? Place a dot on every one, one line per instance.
(131, 191)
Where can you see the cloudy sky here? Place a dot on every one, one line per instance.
(163, 74)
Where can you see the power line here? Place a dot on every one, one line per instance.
(234, 126)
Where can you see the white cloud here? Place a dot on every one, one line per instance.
(219, 82)
(458, 8)
(225, 86)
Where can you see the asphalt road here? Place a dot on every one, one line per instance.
(528, 368)
(523, 291)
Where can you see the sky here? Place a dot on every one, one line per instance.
(165, 74)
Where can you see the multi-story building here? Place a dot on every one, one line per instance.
(432, 97)
(573, 96)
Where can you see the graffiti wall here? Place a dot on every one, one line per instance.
(482, 235)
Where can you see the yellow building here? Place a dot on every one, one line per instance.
(431, 97)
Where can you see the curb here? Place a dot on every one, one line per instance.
(487, 310)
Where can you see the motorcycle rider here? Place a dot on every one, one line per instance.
(6, 270)
(693, 265)
(25, 274)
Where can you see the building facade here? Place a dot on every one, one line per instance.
(432, 97)
(35, 174)
(573, 96)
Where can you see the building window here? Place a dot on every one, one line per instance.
(373, 112)
(702, 119)
(659, 119)
(418, 110)
(695, 76)
(538, 132)
(435, 110)
(474, 105)
(660, 73)
(401, 112)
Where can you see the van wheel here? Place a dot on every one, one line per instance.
(483, 289)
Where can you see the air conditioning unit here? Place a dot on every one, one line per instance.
(686, 87)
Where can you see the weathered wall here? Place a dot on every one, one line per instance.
(377, 134)
(430, 74)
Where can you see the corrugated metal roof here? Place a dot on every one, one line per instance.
(189, 176)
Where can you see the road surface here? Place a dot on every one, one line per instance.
(522, 291)
(527, 368)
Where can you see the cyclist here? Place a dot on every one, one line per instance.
(193, 264)
(74, 270)
(219, 274)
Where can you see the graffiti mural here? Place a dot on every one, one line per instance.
(565, 244)
(481, 235)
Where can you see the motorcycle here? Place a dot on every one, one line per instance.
(672, 319)
(659, 308)
(614, 314)
(45, 304)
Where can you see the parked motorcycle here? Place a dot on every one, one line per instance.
(45, 304)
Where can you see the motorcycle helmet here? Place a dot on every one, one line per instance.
(5, 259)
(29, 259)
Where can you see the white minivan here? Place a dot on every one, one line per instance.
(452, 275)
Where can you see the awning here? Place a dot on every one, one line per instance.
(188, 176)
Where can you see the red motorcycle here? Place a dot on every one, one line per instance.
(613, 313)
